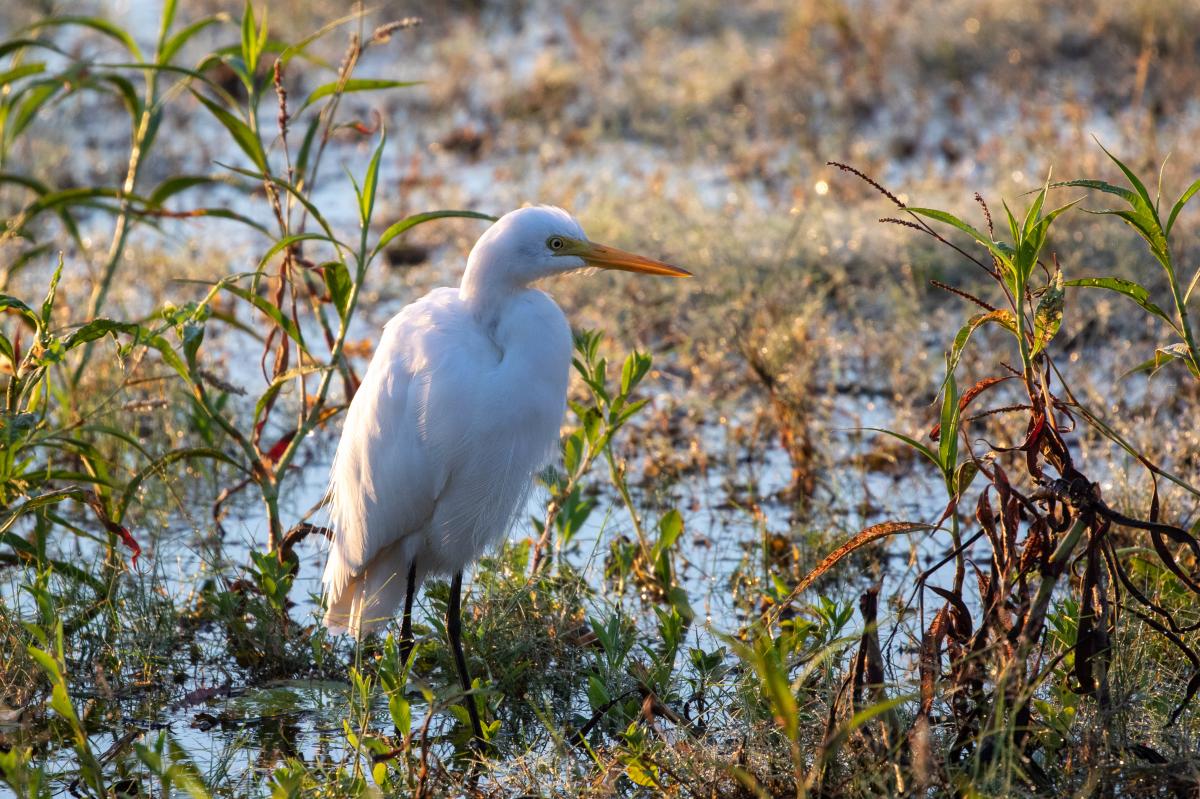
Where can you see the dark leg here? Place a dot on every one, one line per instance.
(406, 636)
(454, 629)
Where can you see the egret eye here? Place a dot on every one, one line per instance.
(555, 243)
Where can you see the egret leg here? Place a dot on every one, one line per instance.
(406, 636)
(454, 630)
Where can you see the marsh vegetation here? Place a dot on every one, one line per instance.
(907, 507)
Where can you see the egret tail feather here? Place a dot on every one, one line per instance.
(362, 603)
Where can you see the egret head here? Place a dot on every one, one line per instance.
(528, 244)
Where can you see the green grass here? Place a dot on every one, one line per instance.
(740, 584)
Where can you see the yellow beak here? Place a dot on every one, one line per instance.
(612, 258)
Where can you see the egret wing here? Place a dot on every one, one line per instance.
(389, 471)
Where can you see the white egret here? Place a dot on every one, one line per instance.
(459, 407)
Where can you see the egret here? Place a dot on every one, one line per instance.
(460, 406)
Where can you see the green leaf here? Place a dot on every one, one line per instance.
(460, 714)
(1128, 288)
(410, 222)
(1143, 213)
(19, 43)
(173, 44)
(1033, 213)
(48, 664)
(83, 196)
(670, 527)
(34, 185)
(1144, 224)
(15, 305)
(597, 693)
(249, 38)
(633, 370)
(124, 89)
(642, 774)
(1162, 357)
(278, 383)
(366, 199)
(948, 440)
(1047, 319)
(964, 475)
(97, 328)
(339, 284)
(305, 150)
(779, 691)
(401, 713)
(288, 241)
(292, 190)
(97, 24)
(162, 463)
(1033, 238)
(193, 336)
(592, 423)
(628, 411)
(1137, 185)
(273, 312)
(912, 442)
(261, 44)
(225, 213)
(1183, 200)
(1099, 185)
(166, 20)
(174, 185)
(169, 356)
(37, 96)
(353, 85)
(941, 216)
(1013, 227)
(21, 71)
(245, 138)
(1001, 317)
(51, 292)
(10, 515)
(573, 452)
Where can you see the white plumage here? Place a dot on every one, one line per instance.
(459, 407)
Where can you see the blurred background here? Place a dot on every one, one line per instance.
(701, 129)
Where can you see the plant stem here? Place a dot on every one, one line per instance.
(121, 232)
(1184, 321)
(618, 481)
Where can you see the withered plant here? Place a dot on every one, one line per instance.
(1038, 537)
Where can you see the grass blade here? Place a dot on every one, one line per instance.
(97, 24)
(1183, 200)
(274, 313)
(954, 221)
(245, 138)
(353, 85)
(410, 222)
(1127, 288)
